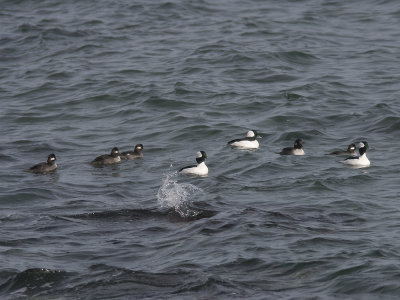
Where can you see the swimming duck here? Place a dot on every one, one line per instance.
(351, 150)
(361, 160)
(107, 159)
(297, 149)
(136, 153)
(200, 169)
(45, 167)
(249, 142)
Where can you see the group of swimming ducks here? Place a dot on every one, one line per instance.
(249, 142)
(102, 160)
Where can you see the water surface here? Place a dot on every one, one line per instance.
(78, 78)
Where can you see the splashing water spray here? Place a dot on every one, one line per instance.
(174, 195)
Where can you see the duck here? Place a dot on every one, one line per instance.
(297, 149)
(136, 153)
(200, 169)
(351, 150)
(45, 167)
(107, 159)
(361, 160)
(249, 142)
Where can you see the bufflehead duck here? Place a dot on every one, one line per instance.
(249, 142)
(133, 154)
(199, 169)
(45, 167)
(361, 160)
(296, 150)
(107, 159)
(351, 150)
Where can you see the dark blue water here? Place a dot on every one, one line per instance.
(80, 77)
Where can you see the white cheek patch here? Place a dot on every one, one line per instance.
(250, 134)
(52, 158)
(199, 154)
(361, 145)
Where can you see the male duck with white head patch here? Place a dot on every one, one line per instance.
(360, 161)
(249, 142)
(200, 169)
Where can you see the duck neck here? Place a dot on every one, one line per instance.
(200, 160)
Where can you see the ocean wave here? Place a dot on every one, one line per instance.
(32, 282)
(297, 57)
(100, 281)
(27, 194)
(134, 215)
(388, 124)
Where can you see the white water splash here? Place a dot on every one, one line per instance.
(176, 195)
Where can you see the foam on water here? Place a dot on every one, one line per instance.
(177, 195)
